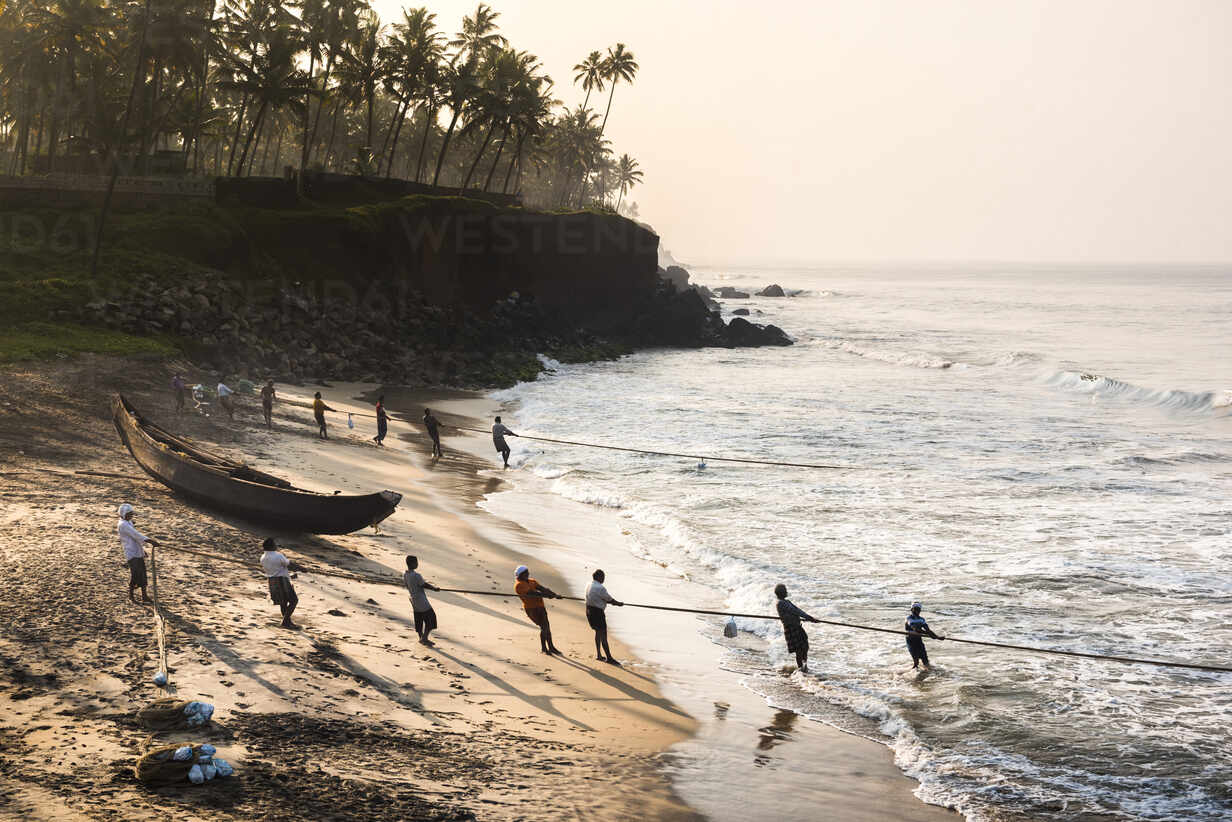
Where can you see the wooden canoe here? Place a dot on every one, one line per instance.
(217, 482)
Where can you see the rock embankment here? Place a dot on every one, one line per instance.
(296, 332)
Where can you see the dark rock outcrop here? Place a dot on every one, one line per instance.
(775, 290)
(675, 275)
(741, 312)
(729, 293)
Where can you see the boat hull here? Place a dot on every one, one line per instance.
(209, 481)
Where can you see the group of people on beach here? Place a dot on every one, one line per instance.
(269, 395)
(532, 593)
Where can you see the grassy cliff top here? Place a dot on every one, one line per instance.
(45, 258)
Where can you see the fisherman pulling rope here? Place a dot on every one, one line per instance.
(539, 591)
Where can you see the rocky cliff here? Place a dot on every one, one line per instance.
(422, 289)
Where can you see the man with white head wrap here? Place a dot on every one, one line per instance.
(133, 542)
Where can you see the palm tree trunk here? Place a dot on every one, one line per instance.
(500, 149)
(371, 103)
(333, 130)
(303, 154)
(115, 166)
(278, 152)
(383, 158)
(256, 121)
(471, 172)
(393, 149)
(55, 123)
(440, 158)
(235, 140)
(261, 169)
(602, 128)
(316, 122)
(429, 116)
(516, 158)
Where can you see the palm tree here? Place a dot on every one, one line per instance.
(67, 28)
(458, 80)
(619, 65)
(627, 176)
(591, 74)
(410, 57)
(361, 68)
(274, 81)
(479, 34)
(532, 114)
(327, 25)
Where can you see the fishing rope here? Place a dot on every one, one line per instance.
(743, 460)
(160, 624)
(378, 580)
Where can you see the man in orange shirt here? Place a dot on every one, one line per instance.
(532, 593)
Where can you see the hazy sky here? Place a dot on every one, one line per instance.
(1077, 130)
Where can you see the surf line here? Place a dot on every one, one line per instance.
(744, 460)
(375, 580)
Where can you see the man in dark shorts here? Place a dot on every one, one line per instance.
(278, 574)
(267, 403)
(597, 600)
(499, 432)
(532, 594)
(793, 631)
(433, 425)
(382, 422)
(915, 644)
(133, 542)
(425, 614)
(318, 411)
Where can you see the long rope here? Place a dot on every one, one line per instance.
(160, 624)
(376, 580)
(743, 460)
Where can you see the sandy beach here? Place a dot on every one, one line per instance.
(349, 717)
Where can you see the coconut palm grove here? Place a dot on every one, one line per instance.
(252, 88)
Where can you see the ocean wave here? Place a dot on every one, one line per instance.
(1097, 385)
(914, 359)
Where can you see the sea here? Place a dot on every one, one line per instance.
(1040, 455)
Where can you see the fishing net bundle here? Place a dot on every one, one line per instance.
(171, 714)
(175, 764)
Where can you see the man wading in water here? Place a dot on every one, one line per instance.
(793, 631)
(532, 593)
(499, 432)
(915, 644)
(133, 542)
(278, 573)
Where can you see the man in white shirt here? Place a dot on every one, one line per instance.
(133, 542)
(224, 399)
(278, 573)
(425, 614)
(597, 600)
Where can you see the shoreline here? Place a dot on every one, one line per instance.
(479, 724)
(855, 777)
